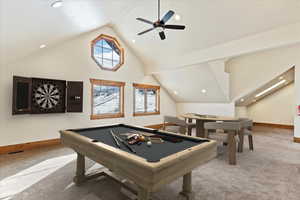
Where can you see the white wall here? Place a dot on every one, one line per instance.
(297, 98)
(72, 61)
(251, 71)
(241, 111)
(2, 104)
(220, 109)
(278, 108)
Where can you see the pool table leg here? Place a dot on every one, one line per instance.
(143, 194)
(80, 169)
(186, 192)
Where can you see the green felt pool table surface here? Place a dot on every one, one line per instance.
(153, 153)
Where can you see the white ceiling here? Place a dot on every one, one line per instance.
(25, 25)
(186, 85)
(209, 22)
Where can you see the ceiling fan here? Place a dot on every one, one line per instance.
(160, 24)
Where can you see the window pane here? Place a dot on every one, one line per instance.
(107, 63)
(116, 56)
(106, 100)
(151, 100)
(98, 54)
(106, 44)
(106, 53)
(139, 100)
(115, 62)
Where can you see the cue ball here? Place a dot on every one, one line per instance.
(149, 143)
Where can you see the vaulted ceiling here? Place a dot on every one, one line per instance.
(185, 85)
(208, 23)
(25, 25)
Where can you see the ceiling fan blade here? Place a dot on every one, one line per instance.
(167, 16)
(144, 20)
(162, 35)
(177, 27)
(146, 31)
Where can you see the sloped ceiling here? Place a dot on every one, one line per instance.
(186, 85)
(25, 25)
(250, 98)
(208, 23)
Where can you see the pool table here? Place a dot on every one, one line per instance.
(149, 167)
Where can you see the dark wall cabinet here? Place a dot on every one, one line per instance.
(21, 95)
(40, 96)
(74, 96)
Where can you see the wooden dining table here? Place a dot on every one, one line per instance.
(201, 119)
(200, 131)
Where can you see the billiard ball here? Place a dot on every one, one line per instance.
(149, 143)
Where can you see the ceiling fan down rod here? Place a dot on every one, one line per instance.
(158, 10)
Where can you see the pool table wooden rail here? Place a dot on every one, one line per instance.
(147, 175)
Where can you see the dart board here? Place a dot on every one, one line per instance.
(48, 96)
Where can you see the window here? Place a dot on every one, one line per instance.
(146, 100)
(107, 52)
(107, 99)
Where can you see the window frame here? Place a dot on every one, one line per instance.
(118, 45)
(102, 82)
(146, 87)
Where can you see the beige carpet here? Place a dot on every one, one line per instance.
(271, 172)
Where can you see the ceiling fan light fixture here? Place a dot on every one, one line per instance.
(159, 29)
(177, 17)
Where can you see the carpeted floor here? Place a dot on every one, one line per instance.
(271, 172)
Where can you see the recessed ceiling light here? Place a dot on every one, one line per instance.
(175, 92)
(133, 41)
(242, 100)
(203, 90)
(57, 4)
(177, 17)
(42, 46)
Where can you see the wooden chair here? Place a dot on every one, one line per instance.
(247, 125)
(231, 130)
(246, 130)
(174, 124)
(190, 125)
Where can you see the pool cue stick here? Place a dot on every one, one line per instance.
(125, 143)
(115, 139)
